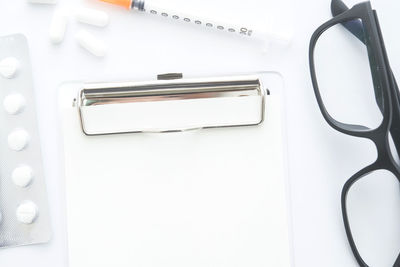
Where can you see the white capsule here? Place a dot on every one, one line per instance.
(9, 67)
(91, 43)
(42, 1)
(14, 104)
(1, 217)
(27, 212)
(92, 17)
(22, 176)
(18, 139)
(58, 26)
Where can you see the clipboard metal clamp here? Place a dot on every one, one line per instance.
(170, 104)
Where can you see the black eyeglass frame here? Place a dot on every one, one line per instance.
(387, 96)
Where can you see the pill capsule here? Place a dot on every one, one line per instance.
(18, 139)
(58, 26)
(1, 217)
(14, 104)
(42, 1)
(91, 43)
(27, 212)
(9, 67)
(22, 176)
(92, 17)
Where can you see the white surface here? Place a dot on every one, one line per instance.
(321, 159)
(212, 197)
(42, 1)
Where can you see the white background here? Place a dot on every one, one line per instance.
(320, 158)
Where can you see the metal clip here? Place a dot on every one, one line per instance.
(170, 104)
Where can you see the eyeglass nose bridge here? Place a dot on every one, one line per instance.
(385, 158)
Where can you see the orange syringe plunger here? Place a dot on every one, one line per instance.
(124, 3)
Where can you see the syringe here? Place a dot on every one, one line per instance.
(149, 7)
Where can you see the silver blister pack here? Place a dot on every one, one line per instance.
(24, 212)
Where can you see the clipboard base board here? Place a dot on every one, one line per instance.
(211, 197)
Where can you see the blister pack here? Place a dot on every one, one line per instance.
(24, 212)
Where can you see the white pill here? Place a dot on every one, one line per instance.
(27, 212)
(22, 176)
(91, 43)
(18, 139)
(14, 103)
(92, 17)
(9, 67)
(58, 26)
(1, 217)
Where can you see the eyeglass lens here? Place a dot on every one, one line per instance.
(344, 77)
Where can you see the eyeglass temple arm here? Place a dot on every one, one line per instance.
(357, 29)
(354, 26)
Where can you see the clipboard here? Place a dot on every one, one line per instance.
(173, 196)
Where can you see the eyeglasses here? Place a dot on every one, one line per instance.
(358, 96)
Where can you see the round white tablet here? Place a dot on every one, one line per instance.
(22, 176)
(27, 212)
(14, 103)
(18, 139)
(9, 67)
